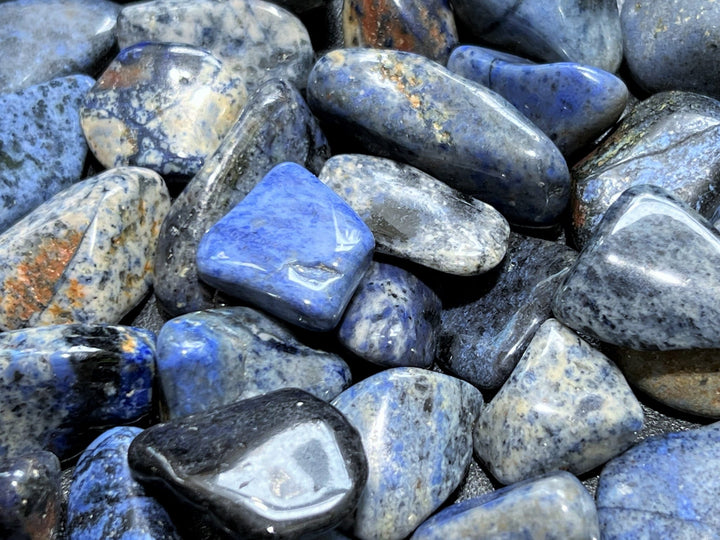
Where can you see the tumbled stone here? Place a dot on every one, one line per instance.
(255, 40)
(57, 383)
(553, 31)
(406, 107)
(291, 247)
(42, 146)
(671, 140)
(163, 106)
(650, 277)
(416, 428)
(275, 126)
(211, 358)
(665, 487)
(417, 217)
(572, 103)
(556, 505)
(45, 39)
(487, 326)
(565, 406)
(223, 466)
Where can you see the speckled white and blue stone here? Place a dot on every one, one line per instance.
(291, 247)
(392, 320)
(163, 106)
(59, 382)
(572, 103)
(42, 146)
(86, 254)
(555, 505)
(256, 40)
(565, 406)
(650, 277)
(104, 501)
(46, 39)
(211, 358)
(665, 487)
(417, 217)
(404, 106)
(416, 429)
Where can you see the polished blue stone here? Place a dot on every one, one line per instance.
(292, 247)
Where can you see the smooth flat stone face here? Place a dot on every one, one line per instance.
(42, 146)
(553, 31)
(255, 40)
(35, 50)
(649, 278)
(162, 106)
(565, 406)
(556, 505)
(86, 254)
(416, 430)
(59, 382)
(670, 140)
(403, 106)
(226, 462)
(665, 487)
(417, 217)
(485, 331)
(572, 103)
(216, 357)
(276, 125)
(291, 247)
(105, 501)
(392, 320)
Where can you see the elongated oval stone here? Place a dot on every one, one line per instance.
(403, 106)
(86, 254)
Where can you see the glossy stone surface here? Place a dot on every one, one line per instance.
(556, 505)
(665, 487)
(671, 140)
(35, 51)
(59, 382)
(36, 163)
(255, 40)
(649, 279)
(572, 103)
(211, 358)
(224, 466)
(291, 247)
(86, 254)
(550, 30)
(565, 406)
(105, 501)
(488, 322)
(403, 106)
(416, 429)
(163, 106)
(30, 496)
(276, 125)
(417, 217)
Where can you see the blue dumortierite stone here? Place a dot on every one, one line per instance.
(42, 146)
(272, 466)
(105, 501)
(59, 382)
(291, 247)
(665, 487)
(393, 319)
(416, 429)
(406, 107)
(556, 505)
(211, 358)
(650, 277)
(572, 103)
